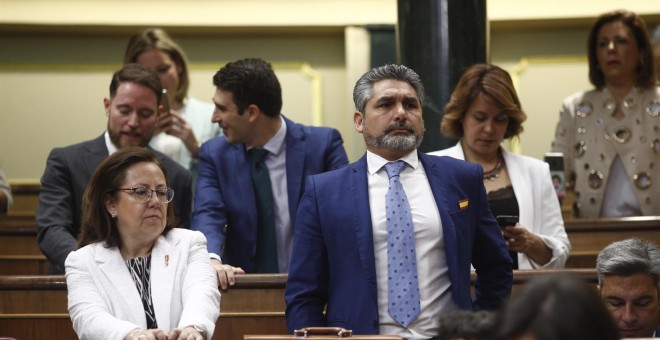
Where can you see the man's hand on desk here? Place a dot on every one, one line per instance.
(226, 273)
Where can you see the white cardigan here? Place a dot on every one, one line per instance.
(537, 202)
(105, 304)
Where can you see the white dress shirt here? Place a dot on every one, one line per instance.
(433, 273)
(108, 143)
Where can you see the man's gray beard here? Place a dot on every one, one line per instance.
(395, 143)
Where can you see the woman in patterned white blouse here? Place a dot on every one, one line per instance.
(610, 135)
(134, 276)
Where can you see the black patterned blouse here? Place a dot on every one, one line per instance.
(140, 269)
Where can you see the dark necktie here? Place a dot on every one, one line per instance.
(266, 259)
(402, 284)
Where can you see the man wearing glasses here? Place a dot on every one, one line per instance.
(132, 109)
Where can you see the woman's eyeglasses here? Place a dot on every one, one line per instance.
(143, 194)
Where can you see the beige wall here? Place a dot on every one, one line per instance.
(57, 58)
(45, 104)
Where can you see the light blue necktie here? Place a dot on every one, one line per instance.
(402, 286)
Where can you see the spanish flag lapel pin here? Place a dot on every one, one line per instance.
(463, 204)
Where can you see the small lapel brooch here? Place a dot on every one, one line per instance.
(463, 204)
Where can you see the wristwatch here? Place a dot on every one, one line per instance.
(199, 329)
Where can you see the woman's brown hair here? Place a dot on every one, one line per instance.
(97, 225)
(645, 71)
(156, 38)
(492, 82)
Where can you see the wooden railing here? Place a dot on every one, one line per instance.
(20, 255)
(19, 252)
(26, 198)
(35, 307)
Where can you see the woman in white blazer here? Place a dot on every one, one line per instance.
(483, 111)
(134, 276)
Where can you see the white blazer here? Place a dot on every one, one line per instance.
(537, 202)
(104, 303)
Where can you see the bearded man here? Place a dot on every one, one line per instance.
(385, 244)
(132, 109)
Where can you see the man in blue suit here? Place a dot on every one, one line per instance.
(341, 254)
(248, 100)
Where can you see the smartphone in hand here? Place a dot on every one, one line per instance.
(165, 101)
(506, 220)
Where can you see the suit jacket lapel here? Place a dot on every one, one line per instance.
(164, 262)
(295, 161)
(358, 184)
(97, 152)
(117, 275)
(438, 187)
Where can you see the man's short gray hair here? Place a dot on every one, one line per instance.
(629, 257)
(363, 90)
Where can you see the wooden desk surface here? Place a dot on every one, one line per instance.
(592, 235)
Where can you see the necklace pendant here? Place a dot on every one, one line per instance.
(494, 173)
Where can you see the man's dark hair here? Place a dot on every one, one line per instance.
(251, 82)
(139, 74)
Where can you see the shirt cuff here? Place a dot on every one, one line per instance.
(215, 256)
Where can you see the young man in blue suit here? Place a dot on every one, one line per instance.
(345, 256)
(248, 100)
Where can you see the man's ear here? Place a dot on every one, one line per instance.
(106, 105)
(253, 112)
(358, 121)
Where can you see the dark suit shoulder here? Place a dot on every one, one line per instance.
(92, 145)
(447, 163)
(317, 130)
(217, 145)
(339, 175)
(308, 131)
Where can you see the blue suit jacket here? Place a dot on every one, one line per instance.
(333, 254)
(225, 208)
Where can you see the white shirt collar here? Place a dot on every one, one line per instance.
(276, 144)
(376, 162)
(108, 143)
